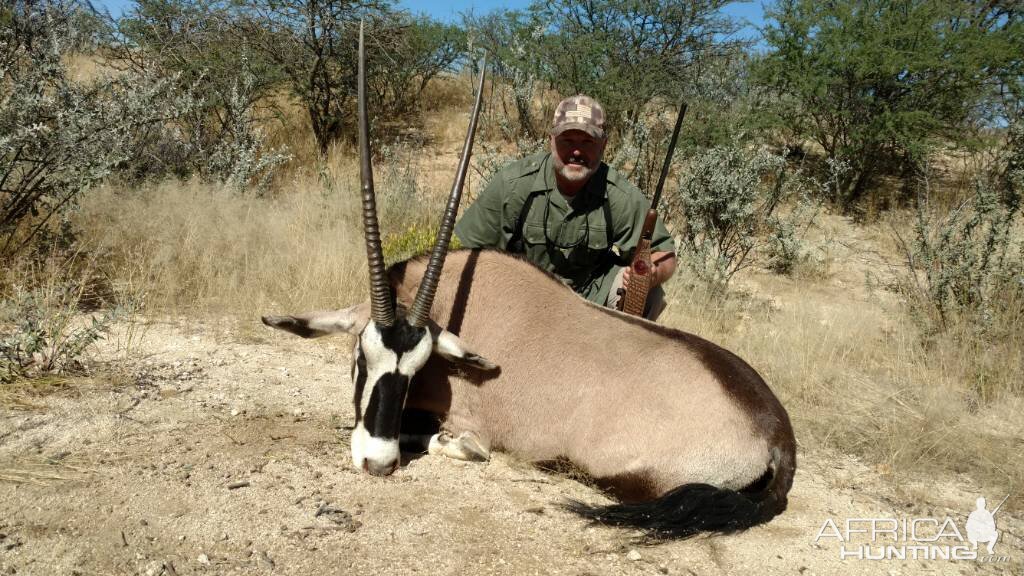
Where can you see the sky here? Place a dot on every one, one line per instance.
(750, 14)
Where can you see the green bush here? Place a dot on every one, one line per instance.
(737, 207)
(43, 332)
(411, 215)
(413, 241)
(878, 83)
(59, 137)
(967, 266)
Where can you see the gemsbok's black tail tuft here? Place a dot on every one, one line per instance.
(693, 509)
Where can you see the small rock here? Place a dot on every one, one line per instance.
(663, 569)
(154, 568)
(633, 555)
(203, 559)
(234, 412)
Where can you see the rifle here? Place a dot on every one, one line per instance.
(635, 298)
(1000, 505)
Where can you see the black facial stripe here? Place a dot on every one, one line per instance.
(360, 383)
(401, 337)
(383, 418)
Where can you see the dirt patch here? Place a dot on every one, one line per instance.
(215, 452)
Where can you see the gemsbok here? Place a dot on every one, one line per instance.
(685, 434)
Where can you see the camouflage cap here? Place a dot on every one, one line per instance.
(579, 112)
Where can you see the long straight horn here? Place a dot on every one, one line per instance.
(381, 309)
(428, 287)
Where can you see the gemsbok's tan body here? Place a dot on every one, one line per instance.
(506, 357)
(577, 382)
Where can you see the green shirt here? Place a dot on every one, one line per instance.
(567, 237)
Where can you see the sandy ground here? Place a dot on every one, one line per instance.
(224, 451)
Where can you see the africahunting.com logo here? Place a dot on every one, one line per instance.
(917, 538)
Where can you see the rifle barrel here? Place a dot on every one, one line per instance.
(1000, 505)
(668, 157)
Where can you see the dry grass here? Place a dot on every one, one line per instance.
(190, 246)
(193, 246)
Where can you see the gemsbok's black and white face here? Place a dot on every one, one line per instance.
(384, 362)
(392, 346)
(385, 359)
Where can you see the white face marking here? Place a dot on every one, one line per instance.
(359, 436)
(368, 448)
(355, 365)
(379, 361)
(414, 359)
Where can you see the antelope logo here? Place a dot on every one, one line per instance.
(917, 538)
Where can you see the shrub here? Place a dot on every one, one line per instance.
(963, 281)
(42, 331)
(218, 137)
(411, 214)
(878, 83)
(414, 240)
(237, 157)
(736, 207)
(967, 266)
(491, 159)
(58, 137)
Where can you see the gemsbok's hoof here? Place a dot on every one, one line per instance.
(467, 447)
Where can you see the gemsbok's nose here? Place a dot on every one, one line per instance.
(380, 468)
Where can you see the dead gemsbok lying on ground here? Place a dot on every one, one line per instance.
(683, 432)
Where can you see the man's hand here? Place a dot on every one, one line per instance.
(663, 266)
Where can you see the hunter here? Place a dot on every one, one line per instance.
(571, 214)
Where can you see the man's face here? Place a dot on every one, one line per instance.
(577, 154)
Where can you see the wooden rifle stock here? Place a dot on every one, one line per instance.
(635, 298)
(641, 269)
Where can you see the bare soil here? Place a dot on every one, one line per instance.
(218, 449)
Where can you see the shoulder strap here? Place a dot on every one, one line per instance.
(608, 225)
(610, 230)
(515, 243)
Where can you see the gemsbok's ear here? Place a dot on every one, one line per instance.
(323, 322)
(452, 348)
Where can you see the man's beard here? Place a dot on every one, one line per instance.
(575, 172)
